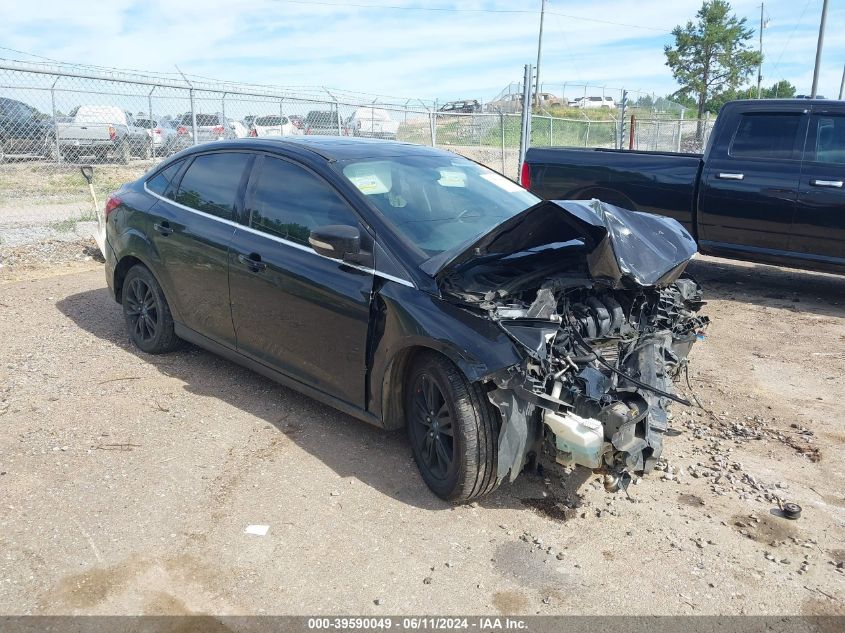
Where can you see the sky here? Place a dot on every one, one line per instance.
(422, 49)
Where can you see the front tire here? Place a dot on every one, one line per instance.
(149, 322)
(453, 430)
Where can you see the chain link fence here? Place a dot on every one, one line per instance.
(54, 119)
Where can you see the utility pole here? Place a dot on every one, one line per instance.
(819, 51)
(539, 50)
(760, 65)
(842, 84)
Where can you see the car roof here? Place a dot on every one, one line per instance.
(330, 147)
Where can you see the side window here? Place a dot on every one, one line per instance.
(161, 181)
(211, 183)
(287, 201)
(829, 140)
(767, 136)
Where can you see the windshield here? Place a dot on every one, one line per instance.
(437, 202)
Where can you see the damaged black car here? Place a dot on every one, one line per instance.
(410, 287)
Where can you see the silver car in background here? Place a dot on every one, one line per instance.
(162, 134)
(210, 127)
(273, 125)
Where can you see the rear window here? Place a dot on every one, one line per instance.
(211, 183)
(270, 120)
(161, 181)
(145, 123)
(203, 120)
(767, 136)
(830, 140)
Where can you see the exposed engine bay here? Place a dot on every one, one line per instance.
(607, 320)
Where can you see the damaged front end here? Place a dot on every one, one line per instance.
(595, 296)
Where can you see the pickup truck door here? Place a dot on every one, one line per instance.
(749, 185)
(819, 226)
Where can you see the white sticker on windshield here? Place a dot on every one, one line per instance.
(449, 178)
(369, 184)
(502, 183)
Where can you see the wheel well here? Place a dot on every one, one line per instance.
(123, 267)
(393, 388)
(607, 195)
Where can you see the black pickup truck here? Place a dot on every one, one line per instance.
(768, 188)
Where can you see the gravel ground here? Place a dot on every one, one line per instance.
(128, 480)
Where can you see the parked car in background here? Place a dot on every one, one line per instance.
(323, 123)
(273, 125)
(373, 123)
(467, 106)
(770, 187)
(101, 131)
(162, 133)
(370, 274)
(210, 127)
(297, 120)
(593, 103)
(547, 100)
(23, 130)
(508, 104)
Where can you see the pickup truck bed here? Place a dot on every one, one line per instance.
(770, 186)
(664, 183)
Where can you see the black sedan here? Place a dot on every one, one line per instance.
(408, 286)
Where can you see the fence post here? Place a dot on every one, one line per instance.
(587, 135)
(223, 106)
(551, 122)
(525, 136)
(281, 116)
(55, 121)
(656, 135)
(502, 123)
(193, 116)
(631, 133)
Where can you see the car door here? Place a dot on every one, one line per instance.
(819, 227)
(749, 185)
(191, 227)
(294, 310)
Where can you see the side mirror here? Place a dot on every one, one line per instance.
(87, 172)
(337, 241)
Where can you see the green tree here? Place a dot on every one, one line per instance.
(712, 55)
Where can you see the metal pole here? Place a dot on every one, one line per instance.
(819, 51)
(502, 122)
(760, 65)
(193, 116)
(55, 121)
(587, 135)
(842, 84)
(551, 130)
(525, 136)
(281, 114)
(539, 50)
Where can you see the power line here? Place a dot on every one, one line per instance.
(393, 7)
(791, 33)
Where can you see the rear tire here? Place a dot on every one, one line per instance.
(453, 430)
(149, 322)
(124, 153)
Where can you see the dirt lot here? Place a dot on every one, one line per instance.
(127, 481)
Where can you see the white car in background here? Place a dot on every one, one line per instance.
(162, 133)
(273, 125)
(240, 129)
(372, 122)
(593, 103)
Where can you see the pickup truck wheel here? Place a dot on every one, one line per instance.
(124, 154)
(453, 430)
(149, 322)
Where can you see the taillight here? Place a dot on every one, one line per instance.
(112, 133)
(112, 203)
(253, 132)
(158, 131)
(525, 176)
(181, 130)
(218, 130)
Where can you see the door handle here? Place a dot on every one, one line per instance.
(836, 184)
(730, 176)
(252, 261)
(164, 228)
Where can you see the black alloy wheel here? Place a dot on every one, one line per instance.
(431, 424)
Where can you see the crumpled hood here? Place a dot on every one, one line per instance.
(617, 244)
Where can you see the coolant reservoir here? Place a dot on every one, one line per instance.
(582, 438)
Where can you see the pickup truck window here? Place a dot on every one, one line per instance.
(830, 140)
(767, 135)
